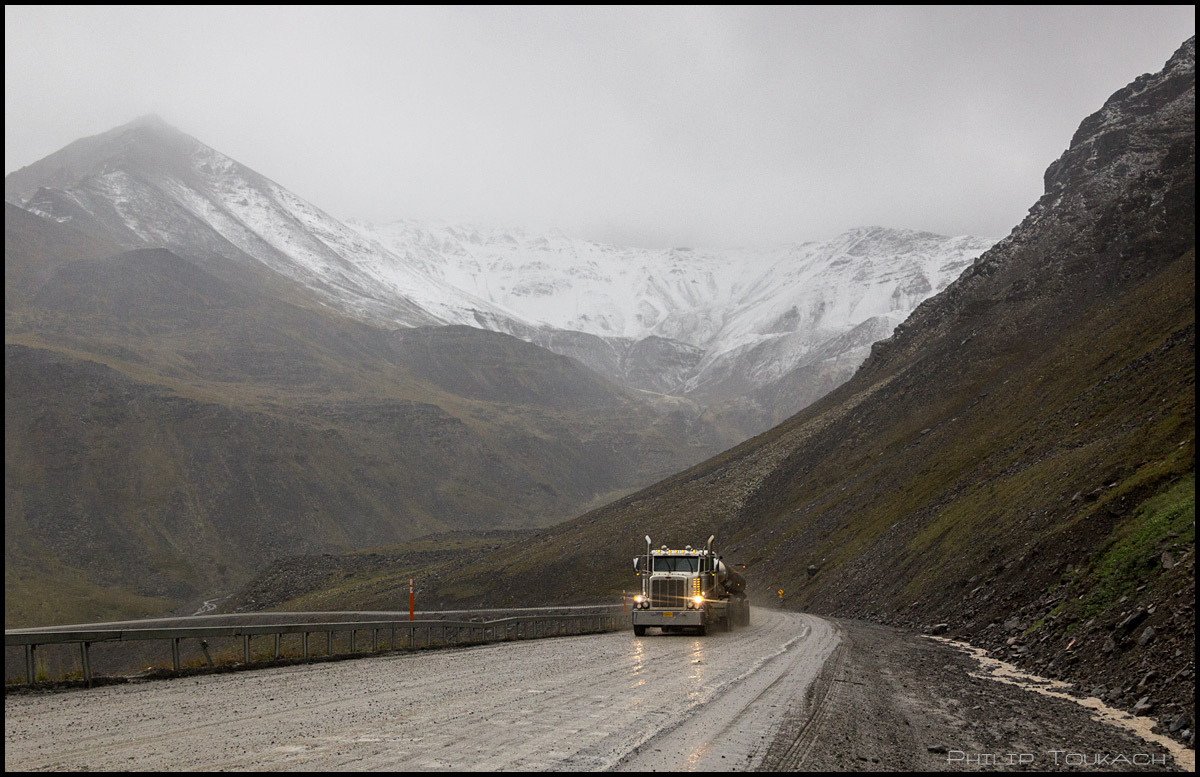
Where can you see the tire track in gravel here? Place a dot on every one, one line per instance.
(794, 741)
(731, 732)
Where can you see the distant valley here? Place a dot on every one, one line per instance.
(205, 373)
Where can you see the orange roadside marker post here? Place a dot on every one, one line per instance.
(411, 600)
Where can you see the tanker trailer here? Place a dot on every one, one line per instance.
(688, 588)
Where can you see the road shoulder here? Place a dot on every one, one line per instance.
(889, 699)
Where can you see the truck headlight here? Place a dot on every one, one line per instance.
(697, 601)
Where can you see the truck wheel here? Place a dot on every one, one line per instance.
(639, 631)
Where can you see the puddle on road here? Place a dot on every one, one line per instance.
(1007, 673)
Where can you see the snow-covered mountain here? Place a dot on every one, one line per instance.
(749, 314)
(716, 325)
(146, 183)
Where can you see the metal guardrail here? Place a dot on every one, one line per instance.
(451, 632)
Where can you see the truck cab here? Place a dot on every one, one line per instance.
(686, 589)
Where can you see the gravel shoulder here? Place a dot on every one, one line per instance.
(893, 700)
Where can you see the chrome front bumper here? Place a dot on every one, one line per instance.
(668, 618)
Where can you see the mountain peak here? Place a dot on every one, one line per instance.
(1114, 140)
(149, 120)
(146, 142)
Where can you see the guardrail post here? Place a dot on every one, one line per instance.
(175, 654)
(329, 642)
(87, 667)
(29, 671)
(245, 648)
(304, 643)
(374, 640)
(277, 647)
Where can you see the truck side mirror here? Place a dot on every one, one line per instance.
(636, 559)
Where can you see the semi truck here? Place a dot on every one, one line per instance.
(688, 588)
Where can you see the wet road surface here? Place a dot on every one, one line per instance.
(591, 702)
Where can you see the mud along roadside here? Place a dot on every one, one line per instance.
(894, 700)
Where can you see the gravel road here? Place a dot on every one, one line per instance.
(581, 703)
(791, 692)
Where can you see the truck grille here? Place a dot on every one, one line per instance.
(668, 593)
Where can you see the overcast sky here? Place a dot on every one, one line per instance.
(670, 126)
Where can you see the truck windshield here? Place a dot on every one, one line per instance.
(675, 563)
